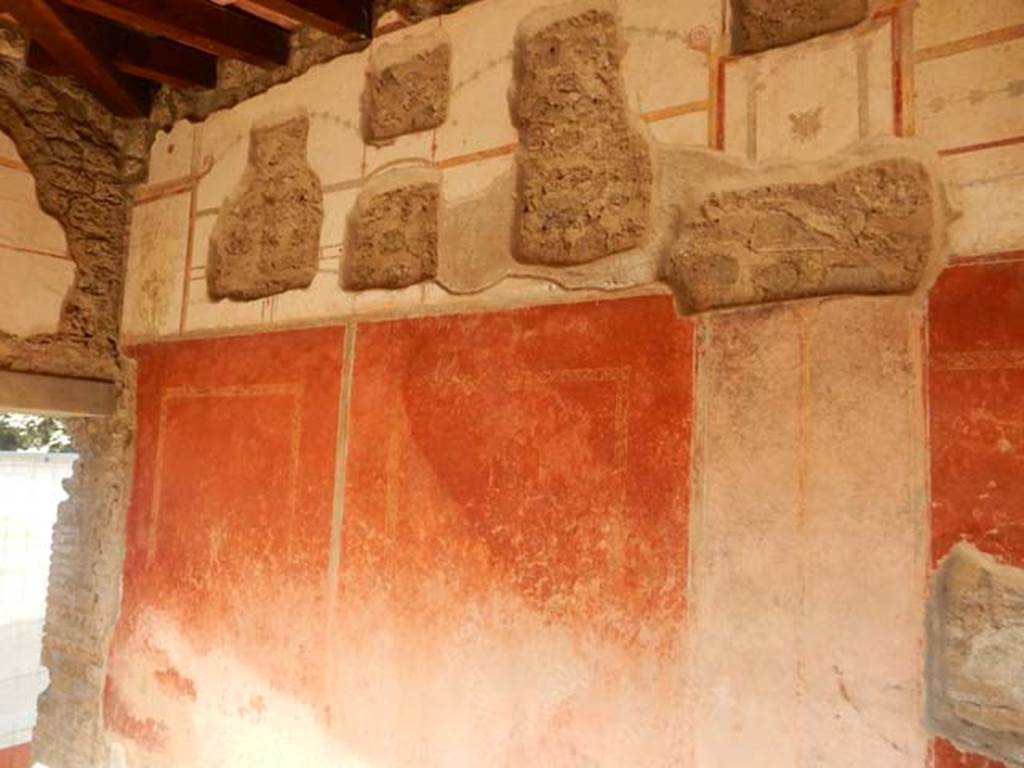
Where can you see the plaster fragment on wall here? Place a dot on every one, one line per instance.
(585, 173)
(867, 230)
(394, 231)
(976, 655)
(267, 237)
(407, 86)
(761, 24)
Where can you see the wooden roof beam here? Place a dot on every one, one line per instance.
(347, 19)
(82, 52)
(199, 24)
(151, 58)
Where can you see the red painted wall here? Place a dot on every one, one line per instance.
(227, 538)
(510, 579)
(976, 407)
(15, 757)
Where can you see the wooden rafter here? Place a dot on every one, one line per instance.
(347, 19)
(71, 39)
(199, 24)
(152, 58)
(250, 6)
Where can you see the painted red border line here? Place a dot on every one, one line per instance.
(14, 165)
(34, 251)
(1009, 142)
(896, 37)
(972, 43)
(720, 102)
(985, 259)
(677, 110)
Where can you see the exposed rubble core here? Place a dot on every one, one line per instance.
(869, 230)
(407, 86)
(267, 237)
(585, 173)
(84, 594)
(758, 25)
(86, 164)
(976, 655)
(394, 231)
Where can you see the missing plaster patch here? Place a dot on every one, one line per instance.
(407, 86)
(394, 231)
(976, 655)
(758, 25)
(585, 173)
(267, 237)
(867, 230)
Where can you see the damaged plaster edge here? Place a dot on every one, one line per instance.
(737, 45)
(545, 294)
(392, 178)
(416, 42)
(535, 23)
(101, 180)
(69, 730)
(722, 174)
(540, 19)
(942, 721)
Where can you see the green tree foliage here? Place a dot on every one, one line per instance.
(33, 433)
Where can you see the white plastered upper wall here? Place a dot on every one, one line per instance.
(803, 103)
(36, 272)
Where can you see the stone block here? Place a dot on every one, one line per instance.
(394, 231)
(758, 25)
(407, 86)
(976, 655)
(267, 237)
(866, 230)
(585, 172)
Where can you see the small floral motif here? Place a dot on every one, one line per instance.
(805, 126)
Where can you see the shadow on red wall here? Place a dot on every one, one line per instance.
(508, 584)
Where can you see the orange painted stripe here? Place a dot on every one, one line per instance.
(163, 189)
(719, 99)
(35, 251)
(896, 28)
(16, 165)
(675, 111)
(171, 187)
(199, 169)
(982, 146)
(472, 157)
(971, 43)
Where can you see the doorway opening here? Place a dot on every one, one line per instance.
(36, 456)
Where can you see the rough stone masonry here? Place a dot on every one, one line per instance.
(976, 655)
(867, 230)
(758, 25)
(394, 231)
(585, 172)
(407, 87)
(267, 236)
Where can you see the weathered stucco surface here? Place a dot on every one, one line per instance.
(809, 525)
(807, 537)
(38, 273)
(267, 237)
(761, 24)
(407, 86)
(976, 654)
(584, 170)
(394, 231)
(867, 230)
